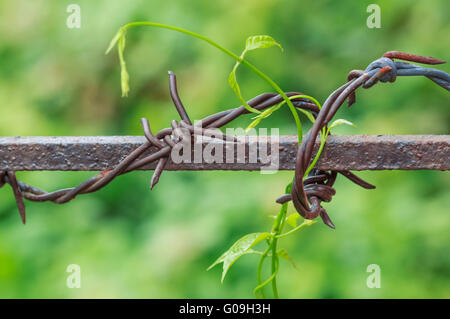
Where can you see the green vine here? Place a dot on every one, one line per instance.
(244, 245)
(251, 44)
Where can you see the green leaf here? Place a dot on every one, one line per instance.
(291, 220)
(283, 254)
(340, 122)
(237, 90)
(119, 38)
(114, 40)
(288, 188)
(263, 115)
(308, 115)
(261, 42)
(274, 108)
(239, 248)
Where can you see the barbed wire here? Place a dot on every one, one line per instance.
(307, 193)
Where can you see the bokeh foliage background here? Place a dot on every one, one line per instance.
(135, 243)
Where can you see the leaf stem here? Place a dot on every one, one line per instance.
(265, 283)
(259, 274)
(272, 247)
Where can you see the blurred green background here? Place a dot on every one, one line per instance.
(131, 242)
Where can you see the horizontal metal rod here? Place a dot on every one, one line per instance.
(351, 152)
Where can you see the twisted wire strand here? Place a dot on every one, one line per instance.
(307, 192)
(307, 198)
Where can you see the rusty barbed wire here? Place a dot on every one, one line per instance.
(307, 193)
(307, 197)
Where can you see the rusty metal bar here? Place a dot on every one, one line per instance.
(352, 152)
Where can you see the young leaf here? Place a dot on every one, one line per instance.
(283, 254)
(119, 38)
(237, 90)
(308, 115)
(263, 115)
(274, 108)
(114, 40)
(291, 220)
(238, 249)
(261, 42)
(340, 122)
